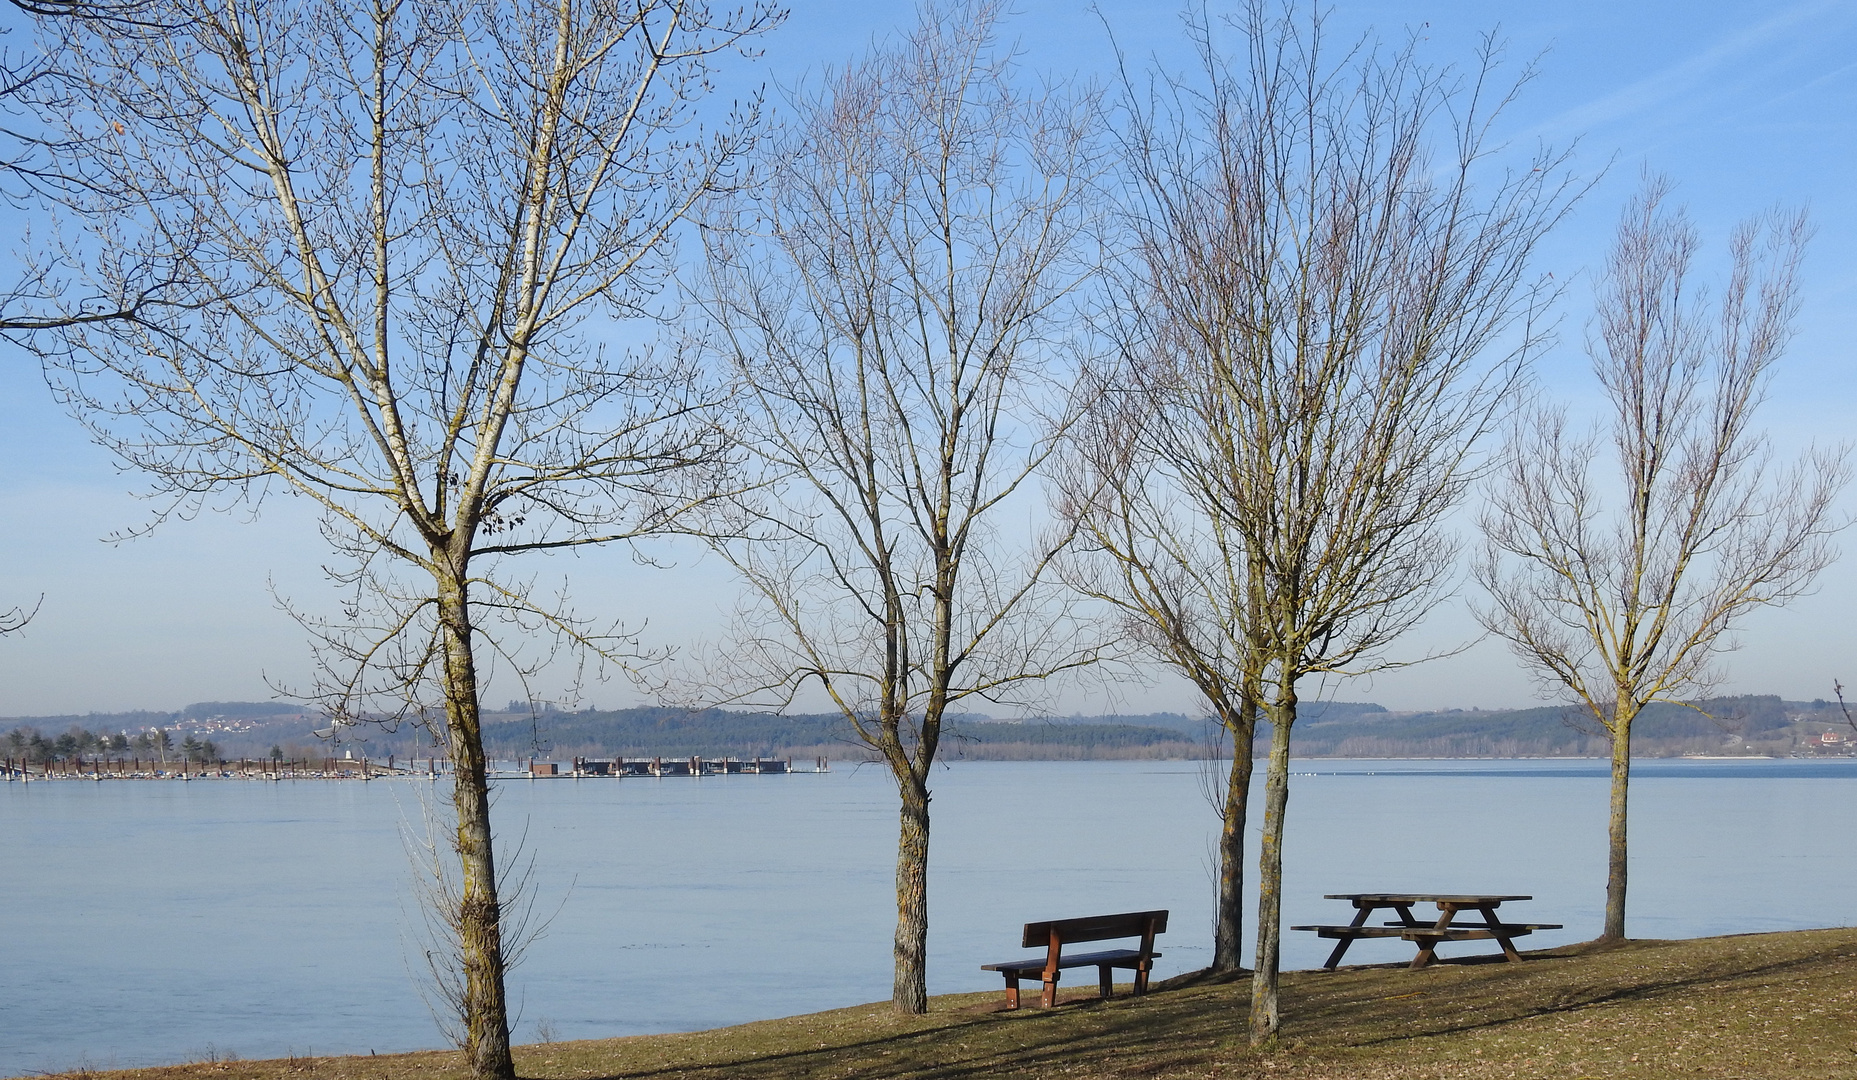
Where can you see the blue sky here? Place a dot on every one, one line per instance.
(1746, 105)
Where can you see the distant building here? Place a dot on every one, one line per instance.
(1831, 741)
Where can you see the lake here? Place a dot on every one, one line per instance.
(158, 921)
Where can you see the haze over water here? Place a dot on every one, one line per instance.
(153, 922)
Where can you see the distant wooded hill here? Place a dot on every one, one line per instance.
(663, 732)
(1750, 724)
(1734, 725)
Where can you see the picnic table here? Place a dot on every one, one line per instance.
(1427, 935)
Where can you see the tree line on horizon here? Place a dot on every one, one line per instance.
(1752, 723)
(1254, 330)
(28, 744)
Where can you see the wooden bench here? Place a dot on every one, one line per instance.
(1056, 933)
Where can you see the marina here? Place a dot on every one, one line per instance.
(362, 768)
(663, 766)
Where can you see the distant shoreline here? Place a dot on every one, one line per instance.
(378, 771)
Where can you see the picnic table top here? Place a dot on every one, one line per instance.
(1461, 899)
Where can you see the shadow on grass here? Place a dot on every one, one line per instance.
(1146, 1034)
(1198, 1020)
(1504, 995)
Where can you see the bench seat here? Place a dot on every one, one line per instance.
(1428, 938)
(1112, 958)
(1471, 931)
(1467, 932)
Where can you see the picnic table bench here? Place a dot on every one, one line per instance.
(1054, 934)
(1427, 935)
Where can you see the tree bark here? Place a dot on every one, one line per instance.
(480, 932)
(911, 989)
(1622, 717)
(1228, 928)
(1264, 1012)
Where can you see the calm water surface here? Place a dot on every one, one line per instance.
(155, 922)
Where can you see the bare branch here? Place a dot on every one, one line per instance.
(17, 618)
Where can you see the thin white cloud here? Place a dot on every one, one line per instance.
(1697, 75)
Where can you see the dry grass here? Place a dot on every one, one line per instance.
(1762, 1005)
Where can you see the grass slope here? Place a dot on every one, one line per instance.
(1780, 1006)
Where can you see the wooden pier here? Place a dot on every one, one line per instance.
(663, 766)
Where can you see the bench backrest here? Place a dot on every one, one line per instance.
(1142, 924)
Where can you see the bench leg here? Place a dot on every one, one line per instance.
(1428, 948)
(1508, 947)
(1105, 981)
(1048, 997)
(1361, 912)
(1427, 952)
(1012, 990)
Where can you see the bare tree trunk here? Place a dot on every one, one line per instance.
(1622, 718)
(1264, 1013)
(910, 994)
(1228, 927)
(480, 935)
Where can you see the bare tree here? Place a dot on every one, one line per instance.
(1155, 545)
(895, 332)
(1619, 607)
(1306, 333)
(378, 233)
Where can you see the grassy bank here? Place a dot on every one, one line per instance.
(1761, 1005)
